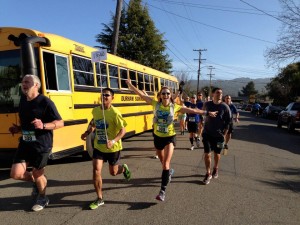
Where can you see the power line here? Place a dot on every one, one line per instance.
(212, 7)
(269, 14)
(214, 27)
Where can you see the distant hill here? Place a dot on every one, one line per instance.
(232, 87)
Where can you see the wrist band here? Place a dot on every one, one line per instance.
(113, 142)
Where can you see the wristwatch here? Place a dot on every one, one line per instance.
(44, 126)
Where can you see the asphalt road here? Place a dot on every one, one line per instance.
(259, 183)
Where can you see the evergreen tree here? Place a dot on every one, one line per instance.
(139, 40)
(248, 90)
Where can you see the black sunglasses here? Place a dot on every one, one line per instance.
(165, 93)
(106, 95)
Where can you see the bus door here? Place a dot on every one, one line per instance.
(58, 89)
(57, 82)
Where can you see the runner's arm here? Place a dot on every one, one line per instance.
(146, 98)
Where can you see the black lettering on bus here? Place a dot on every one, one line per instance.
(126, 98)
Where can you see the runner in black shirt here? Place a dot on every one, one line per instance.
(214, 132)
(38, 117)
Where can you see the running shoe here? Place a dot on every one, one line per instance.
(215, 173)
(207, 178)
(225, 146)
(35, 190)
(155, 157)
(40, 204)
(95, 204)
(161, 196)
(126, 173)
(198, 142)
(192, 147)
(171, 172)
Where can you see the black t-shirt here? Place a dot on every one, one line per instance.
(41, 108)
(215, 126)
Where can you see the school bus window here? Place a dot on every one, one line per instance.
(151, 82)
(56, 72)
(156, 84)
(101, 73)
(10, 70)
(83, 71)
(49, 68)
(62, 71)
(147, 82)
(123, 77)
(113, 76)
(174, 86)
(162, 82)
(167, 83)
(141, 81)
(132, 76)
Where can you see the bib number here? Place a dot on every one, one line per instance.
(101, 137)
(162, 129)
(192, 119)
(28, 136)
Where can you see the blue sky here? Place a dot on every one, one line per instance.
(235, 34)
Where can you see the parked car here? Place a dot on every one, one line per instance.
(271, 112)
(290, 116)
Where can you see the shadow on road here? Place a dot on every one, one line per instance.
(289, 182)
(266, 132)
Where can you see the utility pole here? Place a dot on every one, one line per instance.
(210, 75)
(199, 60)
(115, 37)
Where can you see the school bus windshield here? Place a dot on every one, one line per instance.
(10, 71)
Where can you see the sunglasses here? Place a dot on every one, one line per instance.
(165, 93)
(199, 95)
(106, 95)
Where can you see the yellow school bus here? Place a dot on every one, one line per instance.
(72, 82)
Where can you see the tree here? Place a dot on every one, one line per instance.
(285, 87)
(288, 47)
(248, 90)
(139, 40)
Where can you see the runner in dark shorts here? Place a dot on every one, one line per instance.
(38, 118)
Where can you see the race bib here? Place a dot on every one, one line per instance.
(162, 129)
(192, 119)
(101, 137)
(28, 136)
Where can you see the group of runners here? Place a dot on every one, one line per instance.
(211, 121)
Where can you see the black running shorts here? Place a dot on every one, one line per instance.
(161, 142)
(112, 157)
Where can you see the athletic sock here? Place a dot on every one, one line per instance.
(164, 179)
(192, 141)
